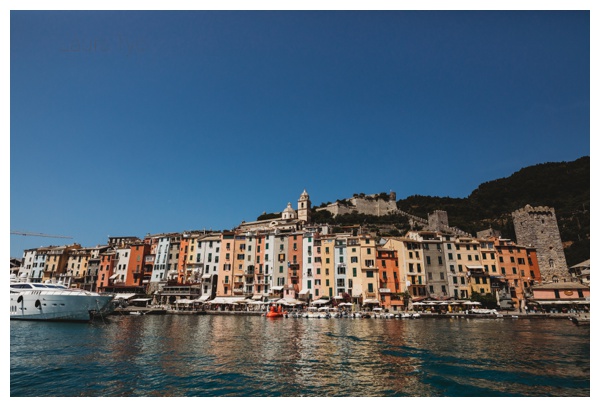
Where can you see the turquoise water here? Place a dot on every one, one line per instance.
(213, 355)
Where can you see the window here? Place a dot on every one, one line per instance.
(354, 259)
(369, 274)
(340, 282)
(353, 271)
(441, 276)
(428, 259)
(370, 289)
(440, 262)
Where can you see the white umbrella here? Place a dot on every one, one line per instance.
(418, 303)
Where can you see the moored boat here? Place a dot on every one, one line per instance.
(580, 320)
(56, 302)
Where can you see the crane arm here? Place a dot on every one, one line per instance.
(38, 234)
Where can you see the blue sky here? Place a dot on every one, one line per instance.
(127, 123)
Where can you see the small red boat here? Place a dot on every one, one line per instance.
(275, 312)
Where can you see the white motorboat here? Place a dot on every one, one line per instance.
(49, 302)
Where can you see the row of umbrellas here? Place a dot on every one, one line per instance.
(447, 303)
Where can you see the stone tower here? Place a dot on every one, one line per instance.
(304, 207)
(537, 227)
(438, 220)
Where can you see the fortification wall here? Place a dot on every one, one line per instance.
(373, 206)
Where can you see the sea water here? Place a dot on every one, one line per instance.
(222, 355)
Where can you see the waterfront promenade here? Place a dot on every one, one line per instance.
(133, 310)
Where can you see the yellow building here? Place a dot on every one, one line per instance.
(369, 274)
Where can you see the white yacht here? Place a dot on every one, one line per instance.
(43, 301)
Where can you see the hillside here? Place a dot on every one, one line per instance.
(565, 186)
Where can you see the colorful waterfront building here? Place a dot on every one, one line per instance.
(261, 276)
(294, 265)
(341, 265)
(468, 259)
(107, 261)
(225, 274)
(57, 261)
(390, 291)
(77, 265)
(319, 284)
(33, 264)
(518, 265)
(239, 256)
(561, 296)
(353, 278)
(308, 277)
(410, 265)
(328, 264)
(434, 262)
(209, 248)
(369, 275)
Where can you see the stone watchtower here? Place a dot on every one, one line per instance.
(304, 207)
(537, 227)
(438, 220)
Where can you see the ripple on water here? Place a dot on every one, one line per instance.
(211, 356)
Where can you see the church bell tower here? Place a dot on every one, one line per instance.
(304, 207)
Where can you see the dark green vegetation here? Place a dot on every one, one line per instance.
(564, 186)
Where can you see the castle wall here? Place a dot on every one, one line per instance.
(377, 207)
(537, 227)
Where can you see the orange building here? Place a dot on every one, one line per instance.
(390, 293)
(107, 260)
(518, 266)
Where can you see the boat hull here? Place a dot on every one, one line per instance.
(38, 305)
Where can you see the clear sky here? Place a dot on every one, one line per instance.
(136, 122)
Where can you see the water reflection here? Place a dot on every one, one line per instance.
(173, 355)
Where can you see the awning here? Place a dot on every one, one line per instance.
(226, 300)
(141, 300)
(277, 288)
(257, 296)
(125, 296)
(304, 292)
(184, 301)
(203, 298)
(370, 302)
(563, 302)
(113, 276)
(317, 302)
(208, 277)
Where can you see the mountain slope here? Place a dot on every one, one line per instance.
(565, 186)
